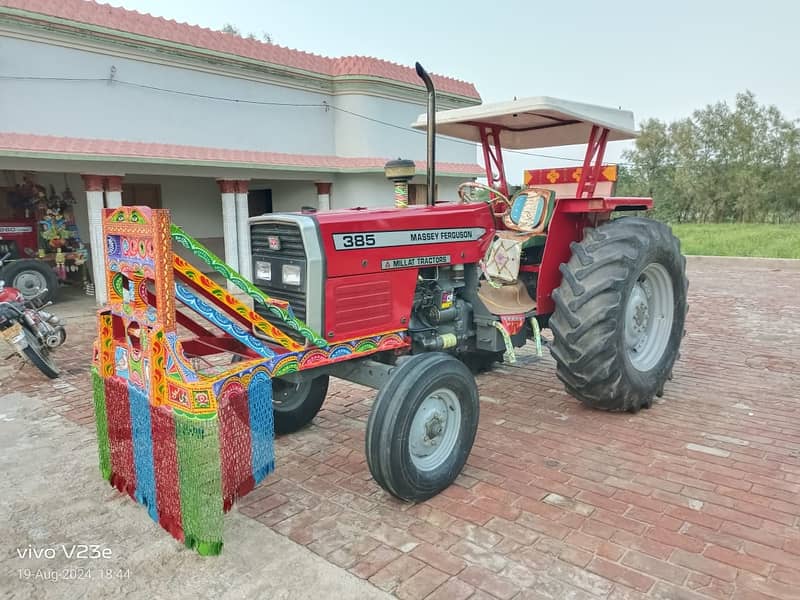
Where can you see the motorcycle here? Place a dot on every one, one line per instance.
(33, 332)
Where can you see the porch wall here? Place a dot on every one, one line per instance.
(289, 196)
(373, 190)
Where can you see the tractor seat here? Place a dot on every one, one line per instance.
(528, 217)
(527, 211)
(526, 222)
(508, 299)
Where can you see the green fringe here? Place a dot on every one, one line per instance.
(101, 420)
(200, 474)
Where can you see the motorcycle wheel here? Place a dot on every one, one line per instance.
(40, 356)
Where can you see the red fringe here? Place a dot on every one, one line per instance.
(123, 472)
(234, 431)
(165, 459)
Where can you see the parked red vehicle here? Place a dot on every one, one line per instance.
(31, 331)
(468, 282)
(19, 242)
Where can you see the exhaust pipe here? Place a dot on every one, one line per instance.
(423, 74)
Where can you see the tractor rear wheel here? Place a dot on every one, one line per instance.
(422, 426)
(620, 312)
(31, 278)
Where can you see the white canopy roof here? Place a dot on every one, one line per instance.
(534, 122)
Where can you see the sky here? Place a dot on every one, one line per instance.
(660, 59)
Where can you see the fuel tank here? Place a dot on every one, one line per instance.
(10, 294)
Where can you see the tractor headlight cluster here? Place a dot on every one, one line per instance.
(291, 274)
(263, 270)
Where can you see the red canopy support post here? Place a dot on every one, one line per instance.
(493, 158)
(592, 162)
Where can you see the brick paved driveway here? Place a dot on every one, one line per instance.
(697, 498)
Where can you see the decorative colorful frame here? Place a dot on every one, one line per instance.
(182, 442)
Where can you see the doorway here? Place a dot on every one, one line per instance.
(259, 202)
(141, 194)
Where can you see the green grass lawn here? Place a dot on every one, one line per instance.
(740, 239)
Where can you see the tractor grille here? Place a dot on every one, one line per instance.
(287, 233)
(291, 251)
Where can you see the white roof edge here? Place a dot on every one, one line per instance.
(534, 122)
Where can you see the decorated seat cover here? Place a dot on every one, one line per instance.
(502, 260)
(528, 211)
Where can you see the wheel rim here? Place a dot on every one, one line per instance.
(648, 317)
(434, 430)
(287, 396)
(29, 283)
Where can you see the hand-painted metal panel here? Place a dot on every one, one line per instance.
(184, 443)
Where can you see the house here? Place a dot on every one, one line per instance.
(120, 107)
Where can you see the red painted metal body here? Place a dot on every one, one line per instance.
(372, 260)
(367, 259)
(560, 175)
(10, 294)
(570, 217)
(20, 237)
(364, 296)
(592, 162)
(493, 158)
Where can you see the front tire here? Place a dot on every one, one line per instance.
(294, 405)
(39, 356)
(620, 313)
(422, 426)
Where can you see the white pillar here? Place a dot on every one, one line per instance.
(113, 191)
(243, 227)
(227, 190)
(323, 195)
(94, 202)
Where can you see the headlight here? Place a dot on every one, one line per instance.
(291, 274)
(263, 270)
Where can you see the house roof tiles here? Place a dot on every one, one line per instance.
(16, 144)
(133, 22)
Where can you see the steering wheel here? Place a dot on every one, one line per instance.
(468, 188)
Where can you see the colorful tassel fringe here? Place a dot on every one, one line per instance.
(186, 469)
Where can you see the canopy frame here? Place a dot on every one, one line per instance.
(537, 123)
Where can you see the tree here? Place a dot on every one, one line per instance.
(720, 164)
(233, 30)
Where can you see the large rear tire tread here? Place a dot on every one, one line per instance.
(587, 324)
(390, 422)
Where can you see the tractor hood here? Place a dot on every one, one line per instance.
(361, 240)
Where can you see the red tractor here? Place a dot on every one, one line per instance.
(469, 281)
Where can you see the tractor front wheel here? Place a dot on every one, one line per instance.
(294, 405)
(619, 316)
(422, 426)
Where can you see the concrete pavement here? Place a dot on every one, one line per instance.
(53, 499)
